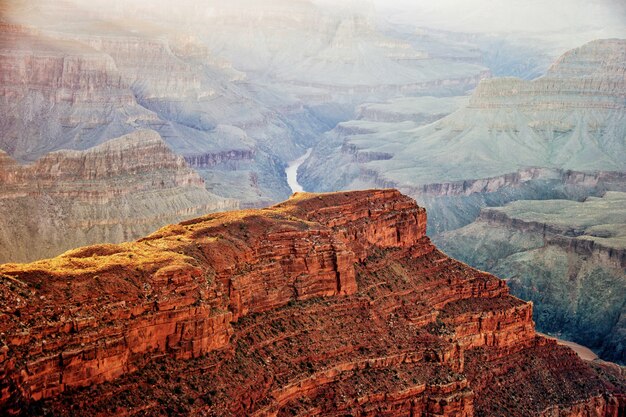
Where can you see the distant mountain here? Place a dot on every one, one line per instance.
(573, 118)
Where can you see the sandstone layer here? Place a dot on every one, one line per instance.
(60, 94)
(568, 257)
(324, 305)
(113, 192)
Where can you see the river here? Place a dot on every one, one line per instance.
(583, 351)
(292, 172)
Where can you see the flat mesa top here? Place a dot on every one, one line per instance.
(601, 219)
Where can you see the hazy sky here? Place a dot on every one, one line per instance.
(510, 15)
(595, 18)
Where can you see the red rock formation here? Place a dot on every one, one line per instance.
(332, 304)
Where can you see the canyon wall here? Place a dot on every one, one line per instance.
(60, 94)
(323, 304)
(113, 192)
(567, 257)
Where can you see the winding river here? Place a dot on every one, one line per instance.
(292, 172)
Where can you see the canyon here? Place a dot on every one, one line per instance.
(514, 139)
(568, 257)
(73, 79)
(324, 304)
(118, 118)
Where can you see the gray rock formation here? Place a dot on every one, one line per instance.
(568, 257)
(113, 192)
(512, 132)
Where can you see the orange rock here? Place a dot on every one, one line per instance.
(322, 305)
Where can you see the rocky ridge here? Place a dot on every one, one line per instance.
(113, 192)
(323, 304)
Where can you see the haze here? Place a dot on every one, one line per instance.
(583, 18)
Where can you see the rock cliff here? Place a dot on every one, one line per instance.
(113, 192)
(60, 94)
(321, 305)
(568, 257)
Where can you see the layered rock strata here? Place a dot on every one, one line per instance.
(322, 305)
(512, 131)
(60, 94)
(568, 257)
(114, 192)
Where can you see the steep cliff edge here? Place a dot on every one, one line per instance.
(321, 305)
(116, 191)
(568, 257)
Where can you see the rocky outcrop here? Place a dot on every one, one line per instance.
(61, 71)
(361, 157)
(567, 257)
(323, 304)
(114, 192)
(158, 74)
(570, 239)
(421, 110)
(596, 70)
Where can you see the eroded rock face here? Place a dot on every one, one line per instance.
(568, 257)
(322, 305)
(60, 94)
(114, 192)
